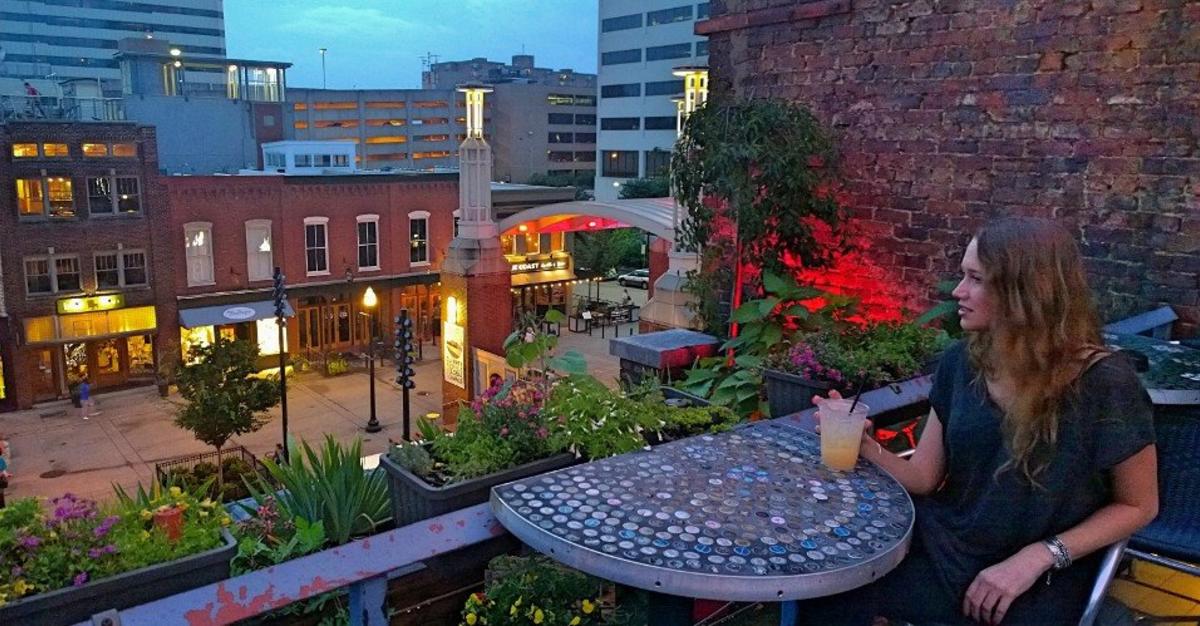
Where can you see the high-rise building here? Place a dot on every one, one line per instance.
(543, 129)
(78, 40)
(449, 74)
(640, 42)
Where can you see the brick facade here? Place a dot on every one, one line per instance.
(949, 112)
(226, 203)
(82, 235)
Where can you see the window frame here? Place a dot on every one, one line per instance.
(669, 52)
(621, 22)
(413, 218)
(12, 150)
(323, 222)
(673, 15)
(359, 222)
(122, 268)
(52, 274)
(256, 227)
(616, 156)
(191, 229)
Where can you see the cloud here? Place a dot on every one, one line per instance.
(339, 20)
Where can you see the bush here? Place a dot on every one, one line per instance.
(534, 590)
(884, 353)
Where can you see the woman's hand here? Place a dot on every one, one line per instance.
(834, 394)
(995, 588)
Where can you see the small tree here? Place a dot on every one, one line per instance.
(653, 187)
(223, 400)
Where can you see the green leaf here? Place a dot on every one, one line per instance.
(698, 374)
(776, 284)
(940, 310)
(749, 312)
(766, 306)
(771, 335)
(554, 316)
(797, 310)
(747, 361)
(570, 362)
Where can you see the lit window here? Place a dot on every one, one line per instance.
(259, 256)
(431, 138)
(368, 242)
(431, 104)
(100, 199)
(418, 237)
(198, 249)
(29, 197)
(129, 196)
(385, 122)
(124, 149)
(24, 150)
(300, 125)
(299, 106)
(335, 124)
(387, 139)
(95, 149)
(435, 154)
(316, 247)
(386, 104)
(60, 196)
(55, 150)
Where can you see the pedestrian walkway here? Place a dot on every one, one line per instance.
(54, 451)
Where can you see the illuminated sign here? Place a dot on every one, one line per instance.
(238, 313)
(89, 304)
(454, 356)
(525, 267)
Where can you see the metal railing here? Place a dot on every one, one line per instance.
(361, 567)
(36, 108)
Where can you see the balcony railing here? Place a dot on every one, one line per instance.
(36, 108)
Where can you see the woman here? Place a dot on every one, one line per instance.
(1038, 451)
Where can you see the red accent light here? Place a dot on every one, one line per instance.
(592, 224)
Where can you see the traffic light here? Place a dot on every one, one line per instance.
(279, 293)
(404, 350)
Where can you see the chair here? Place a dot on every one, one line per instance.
(1172, 540)
(1109, 565)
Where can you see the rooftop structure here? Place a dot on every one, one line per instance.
(522, 70)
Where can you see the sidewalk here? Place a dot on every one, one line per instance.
(54, 451)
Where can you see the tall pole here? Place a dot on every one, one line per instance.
(280, 323)
(404, 371)
(323, 50)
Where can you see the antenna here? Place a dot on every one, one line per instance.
(429, 59)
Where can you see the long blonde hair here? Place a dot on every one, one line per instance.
(1044, 330)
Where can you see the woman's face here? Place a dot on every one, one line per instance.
(975, 300)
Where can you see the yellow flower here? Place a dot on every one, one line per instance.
(175, 492)
(574, 622)
(146, 514)
(53, 535)
(181, 505)
(538, 616)
(208, 503)
(588, 607)
(3, 599)
(21, 587)
(513, 611)
(472, 618)
(203, 513)
(145, 534)
(225, 521)
(518, 602)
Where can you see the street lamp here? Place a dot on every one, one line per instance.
(322, 51)
(369, 302)
(279, 291)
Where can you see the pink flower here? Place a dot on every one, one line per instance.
(542, 433)
(80, 579)
(504, 431)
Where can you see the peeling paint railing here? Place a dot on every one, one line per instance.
(363, 566)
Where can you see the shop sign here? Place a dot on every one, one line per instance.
(239, 313)
(454, 357)
(525, 267)
(89, 304)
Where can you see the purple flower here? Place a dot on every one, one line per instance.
(30, 541)
(80, 579)
(106, 525)
(96, 553)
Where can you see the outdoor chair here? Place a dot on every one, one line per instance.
(1172, 540)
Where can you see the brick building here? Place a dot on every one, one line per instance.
(949, 112)
(86, 265)
(332, 235)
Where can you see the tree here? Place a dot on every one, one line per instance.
(583, 182)
(654, 187)
(604, 250)
(223, 399)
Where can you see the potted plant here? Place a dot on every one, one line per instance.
(875, 353)
(67, 563)
(534, 590)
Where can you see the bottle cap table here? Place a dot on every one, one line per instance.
(1174, 374)
(748, 515)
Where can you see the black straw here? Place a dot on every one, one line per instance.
(862, 382)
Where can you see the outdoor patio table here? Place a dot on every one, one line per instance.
(747, 515)
(1174, 374)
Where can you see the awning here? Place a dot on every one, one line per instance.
(537, 278)
(229, 313)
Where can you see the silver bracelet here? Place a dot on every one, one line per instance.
(1062, 556)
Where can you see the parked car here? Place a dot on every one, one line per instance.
(636, 278)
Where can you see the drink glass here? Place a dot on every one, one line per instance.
(841, 433)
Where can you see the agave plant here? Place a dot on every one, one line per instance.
(328, 486)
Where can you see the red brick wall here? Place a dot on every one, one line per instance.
(949, 112)
(659, 260)
(227, 202)
(83, 235)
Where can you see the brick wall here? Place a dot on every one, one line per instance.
(949, 112)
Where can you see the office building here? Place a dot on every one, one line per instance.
(449, 74)
(79, 40)
(640, 41)
(542, 129)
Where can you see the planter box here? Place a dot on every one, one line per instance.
(671, 393)
(789, 393)
(71, 605)
(413, 499)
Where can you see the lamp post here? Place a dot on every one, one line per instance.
(322, 51)
(404, 361)
(369, 301)
(280, 294)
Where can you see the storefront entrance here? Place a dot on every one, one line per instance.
(329, 324)
(111, 362)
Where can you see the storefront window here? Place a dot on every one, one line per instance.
(268, 337)
(141, 355)
(191, 338)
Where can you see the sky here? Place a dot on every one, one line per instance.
(379, 43)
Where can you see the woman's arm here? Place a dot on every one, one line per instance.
(920, 474)
(1134, 504)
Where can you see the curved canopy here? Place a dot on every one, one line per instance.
(653, 215)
